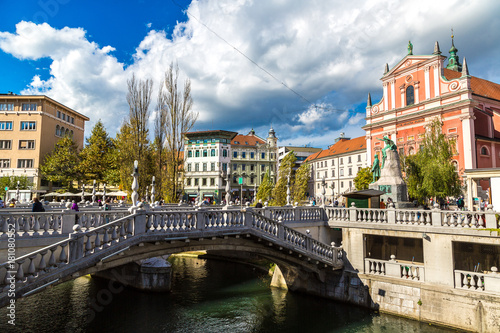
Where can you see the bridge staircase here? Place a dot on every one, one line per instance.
(146, 234)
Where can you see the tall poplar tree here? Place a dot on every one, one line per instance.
(285, 170)
(302, 176)
(175, 105)
(265, 188)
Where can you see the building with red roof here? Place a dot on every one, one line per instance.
(420, 88)
(251, 157)
(337, 166)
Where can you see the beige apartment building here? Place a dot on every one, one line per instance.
(30, 126)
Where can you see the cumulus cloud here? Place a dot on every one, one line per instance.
(329, 53)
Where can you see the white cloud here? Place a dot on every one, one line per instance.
(329, 52)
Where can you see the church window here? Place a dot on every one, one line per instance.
(484, 151)
(410, 96)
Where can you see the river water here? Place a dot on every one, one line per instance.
(207, 296)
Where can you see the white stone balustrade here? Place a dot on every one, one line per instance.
(487, 282)
(85, 247)
(393, 268)
(414, 217)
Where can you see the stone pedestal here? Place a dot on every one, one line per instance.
(391, 181)
(153, 274)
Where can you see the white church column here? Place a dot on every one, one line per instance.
(386, 102)
(436, 80)
(469, 141)
(393, 94)
(427, 83)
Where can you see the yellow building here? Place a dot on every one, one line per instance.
(30, 126)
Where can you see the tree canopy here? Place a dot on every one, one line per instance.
(302, 176)
(96, 157)
(431, 173)
(265, 188)
(363, 178)
(62, 164)
(285, 170)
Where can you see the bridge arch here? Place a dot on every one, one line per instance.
(149, 234)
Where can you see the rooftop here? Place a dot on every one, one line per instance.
(341, 147)
(247, 140)
(480, 87)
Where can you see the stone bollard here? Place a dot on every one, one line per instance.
(68, 219)
(75, 244)
(352, 213)
(140, 222)
(391, 213)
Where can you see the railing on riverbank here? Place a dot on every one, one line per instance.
(487, 282)
(414, 217)
(25, 225)
(84, 248)
(393, 268)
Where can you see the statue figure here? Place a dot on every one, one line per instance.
(410, 48)
(389, 144)
(376, 169)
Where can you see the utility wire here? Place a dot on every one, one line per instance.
(253, 62)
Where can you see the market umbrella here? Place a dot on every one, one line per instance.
(117, 194)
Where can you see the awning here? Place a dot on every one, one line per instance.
(363, 194)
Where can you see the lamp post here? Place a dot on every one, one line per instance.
(288, 203)
(17, 192)
(199, 195)
(83, 193)
(153, 190)
(93, 192)
(135, 184)
(104, 193)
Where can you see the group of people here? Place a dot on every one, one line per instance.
(10, 203)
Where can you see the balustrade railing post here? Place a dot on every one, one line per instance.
(391, 215)
(140, 220)
(324, 215)
(76, 246)
(200, 218)
(352, 213)
(437, 217)
(249, 216)
(68, 221)
(266, 211)
(491, 220)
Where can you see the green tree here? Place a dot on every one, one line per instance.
(302, 176)
(96, 160)
(265, 188)
(62, 164)
(285, 170)
(363, 178)
(430, 173)
(11, 183)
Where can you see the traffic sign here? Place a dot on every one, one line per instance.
(240, 180)
(6, 188)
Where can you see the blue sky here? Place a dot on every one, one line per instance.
(331, 53)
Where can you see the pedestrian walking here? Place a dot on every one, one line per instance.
(37, 206)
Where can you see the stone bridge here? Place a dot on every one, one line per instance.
(92, 247)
